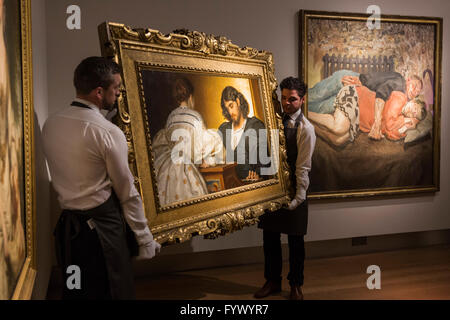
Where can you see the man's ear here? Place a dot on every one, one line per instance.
(99, 92)
(238, 101)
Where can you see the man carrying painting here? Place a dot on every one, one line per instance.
(293, 221)
(88, 161)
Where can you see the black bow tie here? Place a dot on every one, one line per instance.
(286, 118)
(79, 104)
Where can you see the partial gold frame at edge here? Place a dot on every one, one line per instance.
(25, 283)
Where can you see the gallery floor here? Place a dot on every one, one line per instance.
(422, 273)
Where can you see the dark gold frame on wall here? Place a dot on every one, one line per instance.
(147, 54)
(20, 217)
(364, 167)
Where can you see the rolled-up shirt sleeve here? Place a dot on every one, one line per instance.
(306, 141)
(116, 157)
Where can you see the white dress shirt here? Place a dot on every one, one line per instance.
(306, 141)
(87, 156)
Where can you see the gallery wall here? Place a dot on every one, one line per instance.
(44, 241)
(265, 25)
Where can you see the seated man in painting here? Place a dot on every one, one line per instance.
(354, 110)
(240, 135)
(321, 96)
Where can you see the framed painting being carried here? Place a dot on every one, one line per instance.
(203, 135)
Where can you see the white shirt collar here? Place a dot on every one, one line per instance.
(295, 115)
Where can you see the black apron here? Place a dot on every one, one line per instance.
(104, 249)
(293, 222)
(116, 243)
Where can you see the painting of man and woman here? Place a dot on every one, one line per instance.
(207, 133)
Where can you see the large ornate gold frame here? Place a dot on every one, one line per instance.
(215, 214)
(25, 283)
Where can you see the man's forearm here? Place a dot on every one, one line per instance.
(134, 214)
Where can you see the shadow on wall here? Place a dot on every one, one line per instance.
(46, 215)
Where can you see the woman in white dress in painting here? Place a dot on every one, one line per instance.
(181, 147)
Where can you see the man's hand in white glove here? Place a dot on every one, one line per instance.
(111, 114)
(294, 204)
(148, 250)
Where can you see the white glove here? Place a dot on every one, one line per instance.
(110, 114)
(294, 204)
(148, 250)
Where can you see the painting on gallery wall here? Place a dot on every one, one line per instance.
(374, 100)
(16, 274)
(204, 139)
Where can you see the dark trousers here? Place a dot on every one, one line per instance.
(273, 259)
(87, 254)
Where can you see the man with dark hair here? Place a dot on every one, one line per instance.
(94, 72)
(293, 220)
(88, 160)
(240, 134)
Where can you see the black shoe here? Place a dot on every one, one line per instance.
(268, 288)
